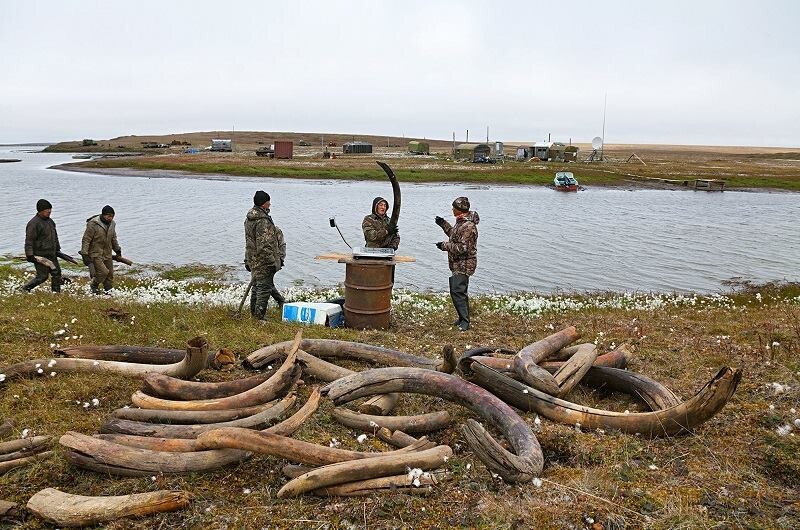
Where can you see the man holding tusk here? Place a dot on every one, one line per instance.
(462, 255)
(99, 240)
(265, 251)
(379, 232)
(41, 239)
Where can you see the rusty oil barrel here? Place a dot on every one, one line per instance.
(368, 295)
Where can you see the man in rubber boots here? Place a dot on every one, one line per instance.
(98, 242)
(379, 232)
(41, 239)
(462, 255)
(265, 251)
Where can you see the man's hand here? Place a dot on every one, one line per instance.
(246, 267)
(392, 229)
(440, 245)
(119, 253)
(439, 220)
(85, 259)
(30, 259)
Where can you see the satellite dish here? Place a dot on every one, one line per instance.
(597, 142)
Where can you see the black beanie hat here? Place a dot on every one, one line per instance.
(260, 197)
(107, 210)
(43, 204)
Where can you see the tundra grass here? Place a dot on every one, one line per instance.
(739, 469)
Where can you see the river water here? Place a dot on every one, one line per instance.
(531, 238)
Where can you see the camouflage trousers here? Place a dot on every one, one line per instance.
(263, 288)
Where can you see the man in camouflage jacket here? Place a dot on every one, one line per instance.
(41, 239)
(462, 255)
(265, 251)
(99, 240)
(378, 230)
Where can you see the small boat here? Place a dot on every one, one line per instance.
(565, 181)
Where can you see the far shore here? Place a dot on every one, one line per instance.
(623, 183)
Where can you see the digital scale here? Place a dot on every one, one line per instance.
(373, 253)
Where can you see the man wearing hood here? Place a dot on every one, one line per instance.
(462, 255)
(41, 239)
(99, 240)
(265, 251)
(379, 232)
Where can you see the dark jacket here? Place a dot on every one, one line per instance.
(462, 247)
(376, 229)
(99, 239)
(263, 241)
(41, 238)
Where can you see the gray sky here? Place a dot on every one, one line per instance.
(688, 72)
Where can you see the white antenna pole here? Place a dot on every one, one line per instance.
(603, 144)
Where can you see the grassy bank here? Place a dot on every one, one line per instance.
(738, 470)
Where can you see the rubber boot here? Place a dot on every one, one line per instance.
(461, 300)
(280, 299)
(453, 295)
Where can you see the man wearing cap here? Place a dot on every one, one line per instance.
(379, 232)
(99, 239)
(41, 239)
(462, 255)
(265, 251)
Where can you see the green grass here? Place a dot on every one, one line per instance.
(734, 471)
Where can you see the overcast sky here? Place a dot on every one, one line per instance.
(687, 72)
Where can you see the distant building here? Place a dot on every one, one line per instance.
(472, 152)
(525, 152)
(356, 148)
(221, 145)
(541, 150)
(419, 148)
(556, 152)
(571, 153)
(283, 149)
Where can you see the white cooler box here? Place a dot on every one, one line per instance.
(321, 314)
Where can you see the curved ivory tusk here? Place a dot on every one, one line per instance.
(679, 419)
(164, 386)
(288, 448)
(139, 428)
(193, 362)
(180, 445)
(188, 417)
(422, 423)
(417, 380)
(64, 509)
(283, 378)
(339, 349)
(368, 468)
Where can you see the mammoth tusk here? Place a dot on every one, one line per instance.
(368, 468)
(64, 509)
(678, 419)
(139, 428)
(167, 387)
(529, 460)
(193, 362)
(422, 423)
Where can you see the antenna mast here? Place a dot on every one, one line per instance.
(605, 102)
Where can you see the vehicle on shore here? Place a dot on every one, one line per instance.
(565, 181)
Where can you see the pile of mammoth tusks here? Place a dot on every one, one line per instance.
(181, 426)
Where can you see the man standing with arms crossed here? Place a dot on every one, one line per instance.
(462, 255)
(265, 251)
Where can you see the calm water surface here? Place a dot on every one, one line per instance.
(531, 238)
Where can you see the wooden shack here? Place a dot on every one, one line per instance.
(472, 152)
(416, 147)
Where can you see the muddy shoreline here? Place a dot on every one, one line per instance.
(628, 184)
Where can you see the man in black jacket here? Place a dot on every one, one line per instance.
(41, 239)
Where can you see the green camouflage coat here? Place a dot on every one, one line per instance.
(376, 229)
(462, 247)
(264, 244)
(99, 239)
